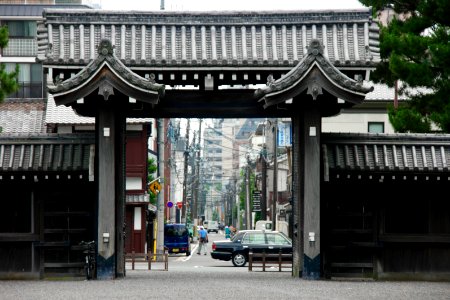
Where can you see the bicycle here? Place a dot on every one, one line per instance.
(89, 264)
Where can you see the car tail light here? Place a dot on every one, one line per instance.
(213, 246)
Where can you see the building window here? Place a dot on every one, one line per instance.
(30, 80)
(22, 41)
(376, 127)
(21, 29)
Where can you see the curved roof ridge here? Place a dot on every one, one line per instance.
(106, 57)
(294, 77)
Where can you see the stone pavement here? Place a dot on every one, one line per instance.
(202, 283)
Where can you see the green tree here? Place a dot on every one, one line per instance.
(8, 81)
(415, 48)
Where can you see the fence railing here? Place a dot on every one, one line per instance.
(264, 260)
(147, 258)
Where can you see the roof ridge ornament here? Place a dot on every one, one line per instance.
(105, 47)
(315, 47)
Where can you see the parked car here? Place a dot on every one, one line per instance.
(238, 247)
(221, 226)
(176, 238)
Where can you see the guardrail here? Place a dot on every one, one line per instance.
(148, 257)
(263, 259)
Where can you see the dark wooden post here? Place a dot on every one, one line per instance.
(120, 175)
(110, 133)
(310, 178)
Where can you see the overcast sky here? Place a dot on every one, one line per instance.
(228, 4)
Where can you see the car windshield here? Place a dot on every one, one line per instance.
(175, 231)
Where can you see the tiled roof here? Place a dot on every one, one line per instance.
(383, 92)
(22, 116)
(65, 115)
(214, 39)
(427, 153)
(53, 152)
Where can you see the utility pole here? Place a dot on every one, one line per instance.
(197, 168)
(192, 181)
(248, 218)
(160, 196)
(264, 184)
(275, 176)
(185, 171)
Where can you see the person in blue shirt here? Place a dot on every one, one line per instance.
(202, 240)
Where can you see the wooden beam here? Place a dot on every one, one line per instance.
(232, 103)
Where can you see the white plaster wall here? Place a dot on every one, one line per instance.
(355, 122)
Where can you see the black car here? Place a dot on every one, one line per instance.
(238, 247)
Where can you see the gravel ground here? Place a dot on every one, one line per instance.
(204, 284)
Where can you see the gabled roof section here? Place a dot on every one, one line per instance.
(314, 73)
(209, 39)
(106, 73)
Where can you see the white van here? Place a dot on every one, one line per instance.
(211, 226)
(282, 226)
(263, 225)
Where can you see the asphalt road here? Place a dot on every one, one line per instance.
(201, 277)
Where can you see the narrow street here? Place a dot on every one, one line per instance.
(181, 262)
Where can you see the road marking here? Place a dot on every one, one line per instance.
(186, 258)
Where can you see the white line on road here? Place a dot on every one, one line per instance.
(188, 257)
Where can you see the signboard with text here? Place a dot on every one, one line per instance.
(284, 138)
(256, 199)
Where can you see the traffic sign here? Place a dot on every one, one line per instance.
(155, 187)
(179, 205)
(169, 204)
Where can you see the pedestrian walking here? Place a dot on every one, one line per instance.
(203, 239)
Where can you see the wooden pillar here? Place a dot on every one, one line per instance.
(310, 130)
(109, 130)
(120, 174)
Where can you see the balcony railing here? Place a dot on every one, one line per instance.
(28, 90)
